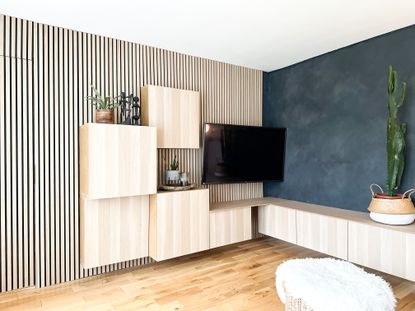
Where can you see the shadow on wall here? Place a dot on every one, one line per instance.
(335, 109)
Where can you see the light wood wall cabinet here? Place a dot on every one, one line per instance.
(175, 113)
(378, 247)
(278, 222)
(179, 223)
(322, 233)
(117, 160)
(113, 230)
(228, 226)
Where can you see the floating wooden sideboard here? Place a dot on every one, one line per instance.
(345, 234)
(118, 172)
(179, 223)
(117, 160)
(175, 113)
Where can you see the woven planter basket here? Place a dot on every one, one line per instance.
(396, 206)
(400, 206)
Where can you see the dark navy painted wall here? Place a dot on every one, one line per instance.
(335, 109)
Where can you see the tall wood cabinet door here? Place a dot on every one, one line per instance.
(175, 113)
(179, 223)
(322, 233)
(277, 222)
(113, 230)
(383, 249)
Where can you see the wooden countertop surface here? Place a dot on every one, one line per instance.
(350, 215)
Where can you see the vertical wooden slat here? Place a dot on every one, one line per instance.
(68, 155)
(46, 144)
(36, 93)
(60, 245)
(3, 100)
(14, 166)
(72, 59)
(79, 121)
(7, 173)
(30, 151)
(22, 169)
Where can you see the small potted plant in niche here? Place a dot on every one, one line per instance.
(390, 207)
(104, 105)
(173, 173)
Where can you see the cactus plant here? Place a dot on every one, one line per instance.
(395, 134)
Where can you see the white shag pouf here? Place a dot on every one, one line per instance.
(327, 284)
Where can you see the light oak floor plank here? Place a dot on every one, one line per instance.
(236, 277)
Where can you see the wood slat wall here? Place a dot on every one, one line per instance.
(45, 73)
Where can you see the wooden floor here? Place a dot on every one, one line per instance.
(238, 277)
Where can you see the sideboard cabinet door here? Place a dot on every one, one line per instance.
(179, 223)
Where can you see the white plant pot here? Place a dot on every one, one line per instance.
(393, 219)
(173, 175)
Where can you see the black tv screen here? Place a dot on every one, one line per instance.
(234, 154)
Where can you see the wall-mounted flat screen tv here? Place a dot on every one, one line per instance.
(236, 154)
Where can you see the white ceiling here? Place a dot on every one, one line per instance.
(261, 34)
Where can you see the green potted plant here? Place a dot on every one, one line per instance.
(173, 173)
(104, 105)
(391, 207)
